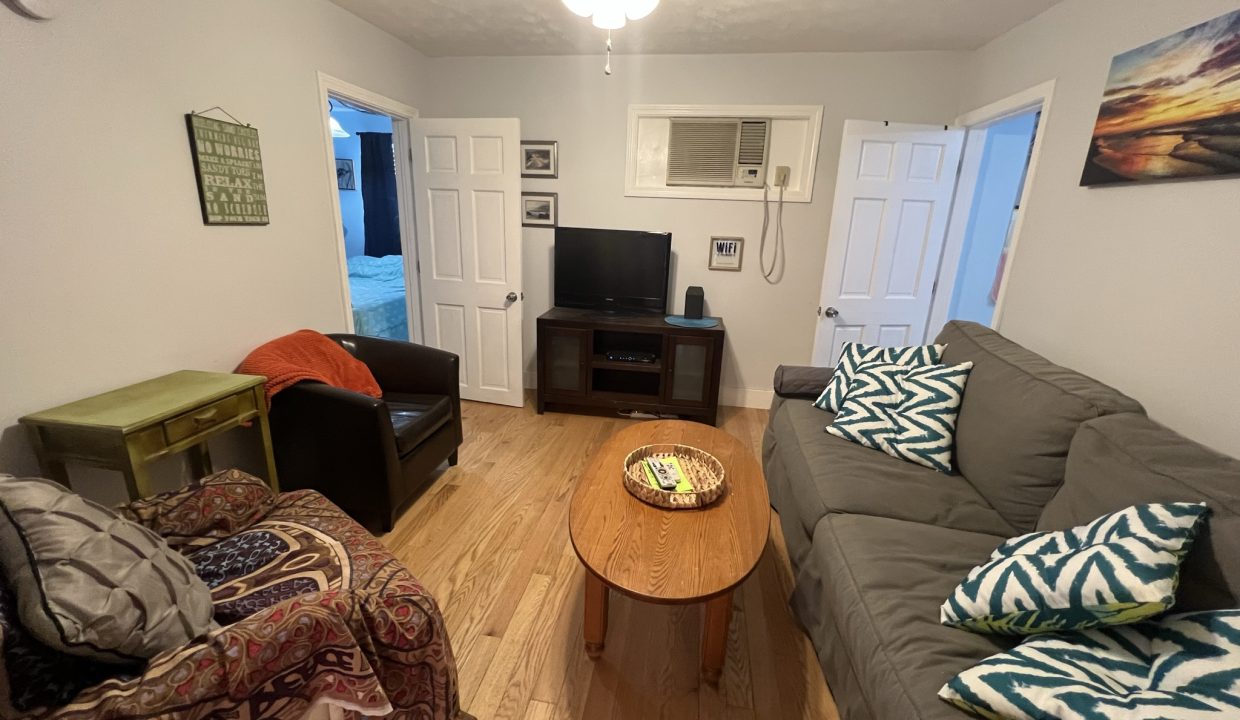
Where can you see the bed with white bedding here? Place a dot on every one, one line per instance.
(377, 291)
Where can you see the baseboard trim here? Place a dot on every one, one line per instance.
(746, 397)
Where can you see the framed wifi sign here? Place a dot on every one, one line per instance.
(726, 252)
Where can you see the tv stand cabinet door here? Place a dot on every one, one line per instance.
(564, 360)
(692, 371)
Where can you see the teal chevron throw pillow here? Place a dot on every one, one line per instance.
(1183, 667)
(1118, 569)
(908, 412)
(857, 354)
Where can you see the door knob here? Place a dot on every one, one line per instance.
(511, 297)
(831, 312)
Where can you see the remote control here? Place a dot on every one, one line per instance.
(662, 474)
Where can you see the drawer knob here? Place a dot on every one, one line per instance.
(205, 417)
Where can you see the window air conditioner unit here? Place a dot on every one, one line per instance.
(717, 152)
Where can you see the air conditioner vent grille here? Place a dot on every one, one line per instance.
(702, 151)
(753, 143)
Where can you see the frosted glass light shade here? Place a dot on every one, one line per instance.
(612, 14)
(337, 130)
(584, 8)
(638, 9)
(609, 15)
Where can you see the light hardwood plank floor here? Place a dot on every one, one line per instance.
(490, 540)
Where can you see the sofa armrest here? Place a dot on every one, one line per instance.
(405, 367)
(800, 381)
(209, 509)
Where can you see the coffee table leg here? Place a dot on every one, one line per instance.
(596, 615)
(715, 637)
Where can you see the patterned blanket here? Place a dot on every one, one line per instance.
(313, 610)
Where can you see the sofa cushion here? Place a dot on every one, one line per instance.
(92, 584)
(1184, 667)
(1120, 460)
(1019, 415)
(907, 412)
(855, 355)
(33, 675)
(416, 417)
(822, 474)
(1121, 568)
(869, 601)
(204, 511)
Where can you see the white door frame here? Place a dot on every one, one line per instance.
(401, 114)
(976, 123)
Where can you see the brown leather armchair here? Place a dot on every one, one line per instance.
(371, 456)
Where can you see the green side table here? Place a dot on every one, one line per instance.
(129, 428)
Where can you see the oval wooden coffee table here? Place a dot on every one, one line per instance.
(674, 557)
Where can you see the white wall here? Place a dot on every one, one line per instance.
(109, 275)
(568, 99)
(1136, 285)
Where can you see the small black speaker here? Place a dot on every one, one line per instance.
(693, 302)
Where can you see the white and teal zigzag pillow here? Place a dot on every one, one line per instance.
(908, 412)
(1183, 667)
(855, 355)
(1118, 569)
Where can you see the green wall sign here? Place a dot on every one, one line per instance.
(229, 167)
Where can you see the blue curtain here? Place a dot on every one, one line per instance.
(379, 195)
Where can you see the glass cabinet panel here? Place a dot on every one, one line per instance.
(565, 371)
(690, 372)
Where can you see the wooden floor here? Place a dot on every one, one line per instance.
(490, 540)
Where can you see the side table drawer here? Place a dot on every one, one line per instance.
(204, 418)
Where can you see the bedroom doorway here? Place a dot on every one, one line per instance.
(367, 139)
(1002, 144)
(370, 221)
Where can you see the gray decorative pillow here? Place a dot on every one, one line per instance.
(92, 584)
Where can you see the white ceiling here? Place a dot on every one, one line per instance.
(545, 27)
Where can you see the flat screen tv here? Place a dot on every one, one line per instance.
(622, 271)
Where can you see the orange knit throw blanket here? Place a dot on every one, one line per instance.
(308, 355)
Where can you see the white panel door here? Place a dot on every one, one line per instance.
(467, 181)
(893, 196)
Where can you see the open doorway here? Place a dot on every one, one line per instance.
(370, 176)
(1001, 145)
(906, 198)
(379, 298)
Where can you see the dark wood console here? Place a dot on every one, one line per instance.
(574, 374)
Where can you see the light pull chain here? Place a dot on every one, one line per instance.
(607, 67)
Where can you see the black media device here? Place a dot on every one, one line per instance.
(620, 271)
(693, 302)
(631, 356)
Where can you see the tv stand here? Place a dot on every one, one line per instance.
(574, 374)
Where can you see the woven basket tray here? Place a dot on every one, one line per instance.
(704, 471)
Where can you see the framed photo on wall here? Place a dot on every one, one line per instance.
(1169, 111)
(726, 253)
(540, 159)
(540, 209)
(345, 179)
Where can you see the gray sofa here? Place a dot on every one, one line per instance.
(877, 543)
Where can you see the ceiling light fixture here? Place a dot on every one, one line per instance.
(611, 15)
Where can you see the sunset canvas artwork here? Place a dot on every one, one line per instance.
(1171, 109)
